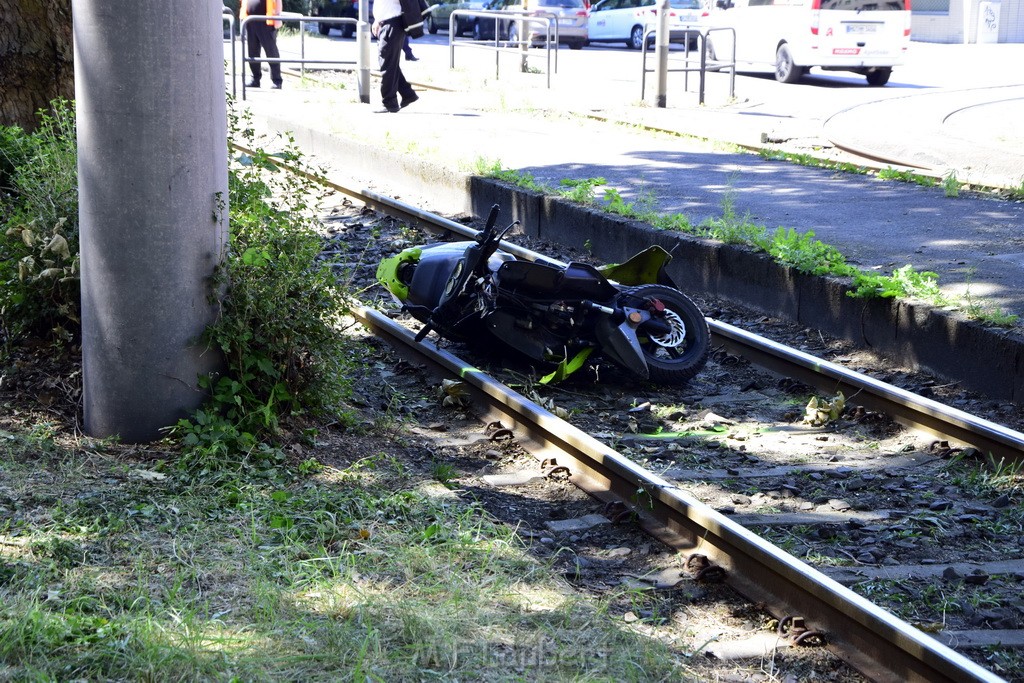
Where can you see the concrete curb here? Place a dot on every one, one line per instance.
(980, 358)
(989, 361)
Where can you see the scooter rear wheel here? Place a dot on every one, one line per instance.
(677, 356)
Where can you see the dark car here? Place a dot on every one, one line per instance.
(440, 16)
(340, 8)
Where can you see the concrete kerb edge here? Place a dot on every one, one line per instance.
(980, 358)
(987, 360)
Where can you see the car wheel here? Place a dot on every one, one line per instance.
(576, 45)
(347, 30)
(477, 33)
(429, 25)
(785, 70)
(879, 76)
(323, 27)
(513, 35)
(636, 38)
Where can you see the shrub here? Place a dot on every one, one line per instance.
(279, 324)
(39, 287)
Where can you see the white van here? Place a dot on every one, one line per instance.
(868, 37)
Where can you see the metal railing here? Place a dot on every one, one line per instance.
(699, 62)
(287, 17)
(228, 21)
(548, 20)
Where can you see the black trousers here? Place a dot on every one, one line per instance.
(258, 34)
(389, 55)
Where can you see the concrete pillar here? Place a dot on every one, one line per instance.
(152, 178)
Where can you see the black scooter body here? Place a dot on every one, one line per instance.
(559, 314)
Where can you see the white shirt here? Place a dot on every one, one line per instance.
(386, 9)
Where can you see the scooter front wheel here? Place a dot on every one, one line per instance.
(676, 354)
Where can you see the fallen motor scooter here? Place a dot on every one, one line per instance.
(630, 313)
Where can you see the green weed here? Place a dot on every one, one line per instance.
(279, 324)
(906, 176)
(39, 281)
(580, 191)
(950, 185)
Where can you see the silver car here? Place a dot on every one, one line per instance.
(625, 21)
(571, 16)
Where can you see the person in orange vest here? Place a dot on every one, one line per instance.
(262, 34)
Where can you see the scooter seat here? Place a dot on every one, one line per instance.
(529, 277)
(576, 281)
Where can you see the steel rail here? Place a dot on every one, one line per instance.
(916, 412)
(907, 408)
(868, 637)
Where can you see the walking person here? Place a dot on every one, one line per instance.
(407, 48)
(391, 40)
(262, 34)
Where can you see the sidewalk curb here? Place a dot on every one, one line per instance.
(983, 359)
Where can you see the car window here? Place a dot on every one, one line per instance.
(864, 5)
(685, 4)
(561, 3)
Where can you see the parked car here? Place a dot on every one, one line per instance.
(571, 16)
(440, 16)
(613, 21)
(340, 8)
(868, 37)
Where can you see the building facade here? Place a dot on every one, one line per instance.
(967, 21)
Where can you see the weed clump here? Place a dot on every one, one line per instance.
(39, 285)
(278, 329)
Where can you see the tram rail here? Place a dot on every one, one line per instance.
(873, 640)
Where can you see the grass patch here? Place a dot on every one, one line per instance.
(352, 572)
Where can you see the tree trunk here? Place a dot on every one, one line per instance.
(36, 58)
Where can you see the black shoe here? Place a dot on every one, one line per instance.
(252, 84)
(411, 58)
(406, 101)
(277, 86)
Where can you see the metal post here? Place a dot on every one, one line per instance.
(152, 178)
(661, 50)
(363, 56)
(522, 32)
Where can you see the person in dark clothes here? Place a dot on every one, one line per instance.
(390, 41)
(407, 48)
(262, 34)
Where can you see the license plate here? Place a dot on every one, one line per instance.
(861, 28)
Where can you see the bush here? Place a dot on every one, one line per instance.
(278, 329)
(39, 287)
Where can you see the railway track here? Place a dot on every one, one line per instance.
(683, 506)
